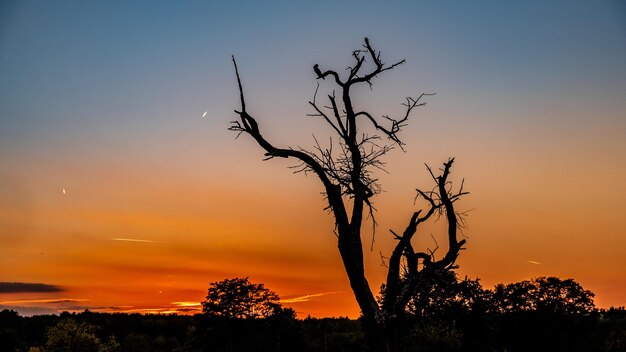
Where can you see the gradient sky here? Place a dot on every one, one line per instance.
(102, 140)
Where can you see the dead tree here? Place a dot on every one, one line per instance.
(346, 170)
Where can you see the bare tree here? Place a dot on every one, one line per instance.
(346, 169)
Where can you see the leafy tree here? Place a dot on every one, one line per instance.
(445, 295)
(446, 313)
(11, 328)
(544, 294)
(346, 169)
(70, 336)
(558, 314)
(239, 298)
(613, 327)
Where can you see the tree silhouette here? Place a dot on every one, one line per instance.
(346, 170)
(444, 295)
(558, 314)
(69, 335)
(241, 299)
(447, 313)
(543, 294)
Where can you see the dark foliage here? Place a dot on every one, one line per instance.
(612, 325)
(332, 334)
(239, 298)
(276, 333)
(543, 294)
(446, 314)
(173, 333)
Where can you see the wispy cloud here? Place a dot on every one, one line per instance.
(29, 307)
(103, 309)
(187, 307)
(172, 308)
(187, 304)
(24, 287)
(47, 301)
(133, 240)
(534, 262)
(306, 298)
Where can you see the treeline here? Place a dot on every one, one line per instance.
(603, 330)
(100, 332)
(444, 314)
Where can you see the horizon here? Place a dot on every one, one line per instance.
(121, 187)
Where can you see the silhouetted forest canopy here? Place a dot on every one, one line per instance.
(447, 314)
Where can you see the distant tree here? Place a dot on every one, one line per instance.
(239, 298)
(445, 295)
(545, 314)
(613, 327)
(446, 313)
(543, 294)
(346, 169)
(70, 336)
(11, 331)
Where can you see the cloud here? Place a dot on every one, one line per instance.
(306, 298)
(133, 240)
(46, 301)
(23, 287)
(534, 262)
(29, 307)
(51, 306)
(187, 304)
(110, 308)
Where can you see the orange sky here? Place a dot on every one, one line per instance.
(102, 138)
(257, 219)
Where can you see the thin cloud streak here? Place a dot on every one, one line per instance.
(306, 298)
(133, 240)
(187, 304)
(49, 301)
(149, 310)
(534, 262)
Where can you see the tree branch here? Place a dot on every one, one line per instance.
(249, 125)
(398, 290)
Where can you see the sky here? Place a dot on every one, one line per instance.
(122, 190)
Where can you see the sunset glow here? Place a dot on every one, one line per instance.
(121, 189)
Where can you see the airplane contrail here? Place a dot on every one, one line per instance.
(306, 298)
(132, 240)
